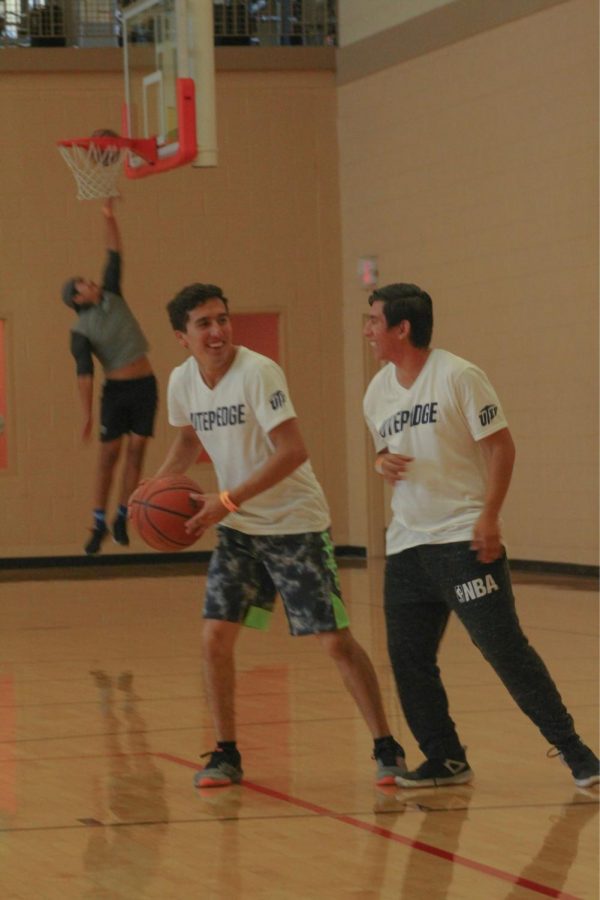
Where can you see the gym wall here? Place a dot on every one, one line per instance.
(471, 169)
(264, 225)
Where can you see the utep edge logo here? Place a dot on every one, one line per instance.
(277, 400)
(208, 420)
(420, 414)
(488, 414)
(479, 587)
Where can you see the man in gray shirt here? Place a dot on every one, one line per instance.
(107, 329)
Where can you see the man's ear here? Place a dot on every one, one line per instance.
(181, 337)
(403, 332)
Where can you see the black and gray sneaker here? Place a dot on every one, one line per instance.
(95, 542)
(119, 531)
(390, 760)
(583, 763)
(436, 773)
(221, 769)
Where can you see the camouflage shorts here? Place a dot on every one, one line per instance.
(246, 571)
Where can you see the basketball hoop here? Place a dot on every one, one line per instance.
(96, 162)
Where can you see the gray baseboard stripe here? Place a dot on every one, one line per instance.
(554, 568)
(347, 553)
(109, 560)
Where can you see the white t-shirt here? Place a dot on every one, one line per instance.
(233, 421)
(438, 421)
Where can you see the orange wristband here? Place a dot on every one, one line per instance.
(227, 502)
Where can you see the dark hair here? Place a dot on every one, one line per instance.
(188, 299)
(407, 301)
(69, 291)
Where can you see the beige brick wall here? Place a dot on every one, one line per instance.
(473, 171)
(264, 225)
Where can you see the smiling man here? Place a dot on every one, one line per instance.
(443, 444)
(272, 521)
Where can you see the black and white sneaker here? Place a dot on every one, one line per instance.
(436, 773)
(582, 762)
(390, 761)
(119, 531)
(95, 542)
(221, 769)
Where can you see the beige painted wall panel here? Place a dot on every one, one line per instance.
(473, 171)
(264, 225)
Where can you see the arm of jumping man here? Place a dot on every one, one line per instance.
(113, 234)
(111, 278)
(81, 350)
(85, 384)
(499, 452)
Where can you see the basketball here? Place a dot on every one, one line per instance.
(159, 509)
(106, 155)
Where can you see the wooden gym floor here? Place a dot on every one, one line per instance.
(103, 719)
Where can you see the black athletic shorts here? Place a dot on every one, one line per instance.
(128, 406)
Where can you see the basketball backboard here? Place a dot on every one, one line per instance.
(169, 78)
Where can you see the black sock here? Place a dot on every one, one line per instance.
(100, 519)
(122, 511)
(229, 747)
(382, 741)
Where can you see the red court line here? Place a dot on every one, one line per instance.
(391, 835)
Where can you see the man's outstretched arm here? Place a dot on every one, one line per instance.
(111, 278)
(113, 235)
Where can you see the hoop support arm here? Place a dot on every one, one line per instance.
(186, 147)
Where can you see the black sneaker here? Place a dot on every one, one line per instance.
(223, 768)
(437, 772)
(95, 542)
(582, 762)
(390, 762)
(119, 531)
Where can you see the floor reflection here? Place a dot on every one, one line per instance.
(131, 812)
(444, 812)
(559, 848)
(225, 867)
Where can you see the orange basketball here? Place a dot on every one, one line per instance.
(159, 509)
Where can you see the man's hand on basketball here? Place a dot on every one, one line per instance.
(487, 540)
(393, 466)
(211, 512)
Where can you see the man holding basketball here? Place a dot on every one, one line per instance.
(271, 516)
(107, 329)
(443, 443)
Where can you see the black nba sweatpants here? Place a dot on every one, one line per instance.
(423, 585)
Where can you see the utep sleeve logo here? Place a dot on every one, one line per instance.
(277, 400)
(487, 414)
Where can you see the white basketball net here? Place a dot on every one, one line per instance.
(96, 169)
